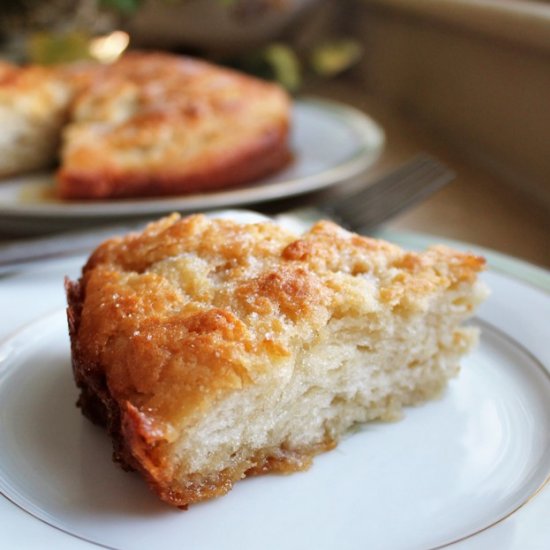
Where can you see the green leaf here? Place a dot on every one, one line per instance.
(332, 58)
(285, 65)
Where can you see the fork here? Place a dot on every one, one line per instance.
(391, 194)
(358, 211)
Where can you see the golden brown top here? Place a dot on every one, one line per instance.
(193, 308)
(36, 92)
(45, 89)
(158, 110)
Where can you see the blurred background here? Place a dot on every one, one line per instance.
(467, 81)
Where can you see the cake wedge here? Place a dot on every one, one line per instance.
(214, 350)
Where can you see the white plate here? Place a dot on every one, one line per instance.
(332, 143)
(450, 469)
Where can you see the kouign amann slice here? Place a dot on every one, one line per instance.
(213, 350)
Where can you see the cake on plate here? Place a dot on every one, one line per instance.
(150, 124)
(213, 350)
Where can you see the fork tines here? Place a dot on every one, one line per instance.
(386, 197)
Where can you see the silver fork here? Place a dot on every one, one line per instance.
(391, 194)
(359, 211)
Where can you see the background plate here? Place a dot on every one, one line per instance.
(332, 143)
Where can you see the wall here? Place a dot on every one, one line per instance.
(484, 87)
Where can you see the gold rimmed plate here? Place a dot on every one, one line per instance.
(462, 468)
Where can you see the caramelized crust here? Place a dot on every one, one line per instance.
(167, 324)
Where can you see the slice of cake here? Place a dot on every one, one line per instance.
(213, 350)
